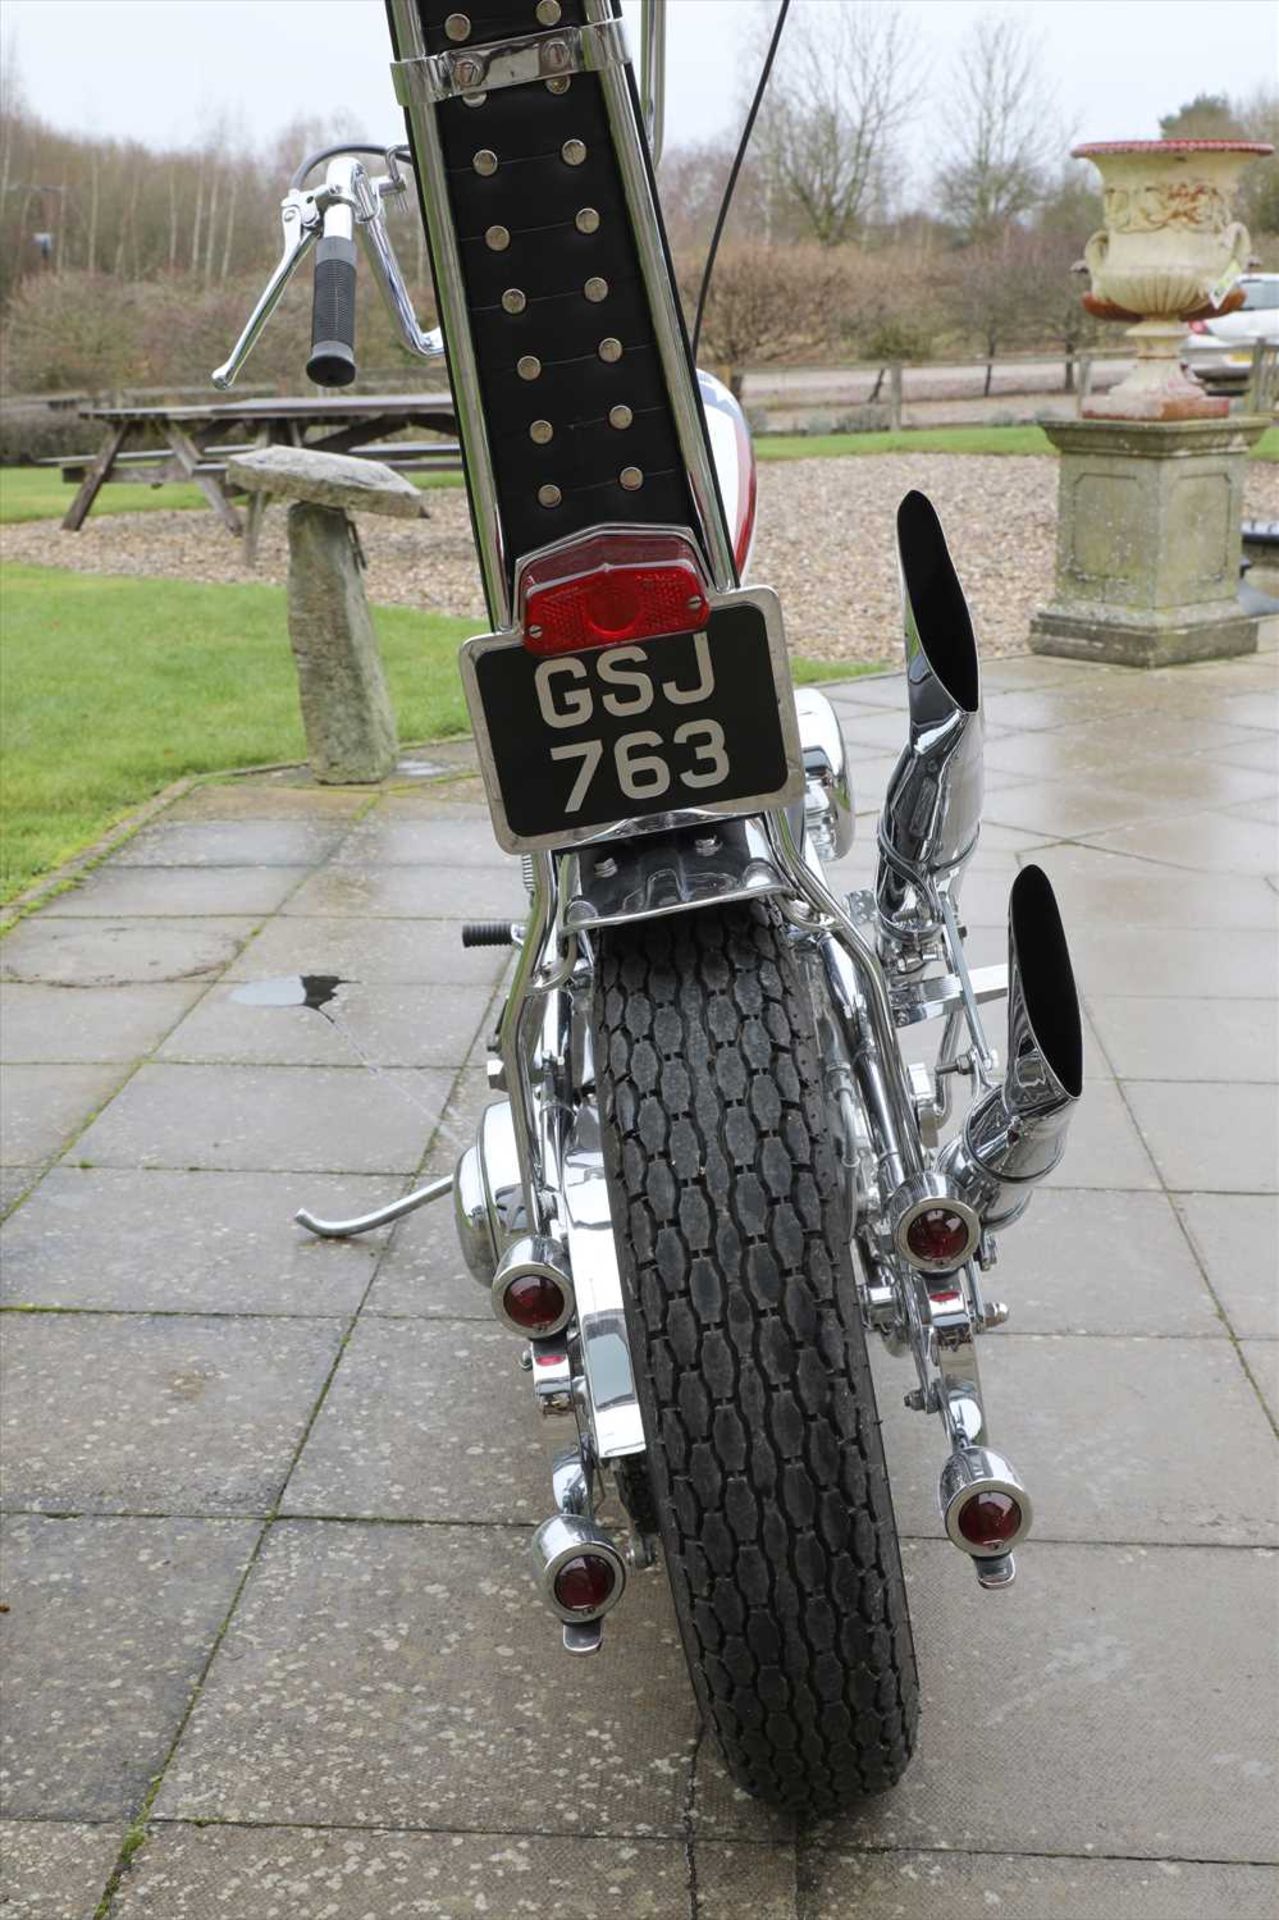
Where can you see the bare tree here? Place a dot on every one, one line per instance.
(836, 103)
(767, 303)
(1002, 128)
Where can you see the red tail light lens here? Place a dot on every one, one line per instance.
(990, 1520)
(939, 1237)
(585, 1583)
(534, 1302)
(611, 588)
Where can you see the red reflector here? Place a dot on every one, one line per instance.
(608, 589)
(990, 1519)
(939, 1235)
(584, 1584)
(534, 1301)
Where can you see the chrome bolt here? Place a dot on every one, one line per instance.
(706, 844)
(606, 867)
(555, 56)
(914, 1399)
(468, 72)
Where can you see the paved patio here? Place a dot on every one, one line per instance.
(273, 1648)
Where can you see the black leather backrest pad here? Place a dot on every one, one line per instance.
(535, 194)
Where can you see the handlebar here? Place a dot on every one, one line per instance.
(332, 358)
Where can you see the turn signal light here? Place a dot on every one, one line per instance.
(585, 1584)
(610, 588)
(990, 1520)
(940, 1237)
(534, 1303)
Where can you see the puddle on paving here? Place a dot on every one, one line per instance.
(314, 990)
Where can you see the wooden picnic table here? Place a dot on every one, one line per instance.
(198, 438)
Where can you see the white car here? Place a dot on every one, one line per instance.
(1220, 350)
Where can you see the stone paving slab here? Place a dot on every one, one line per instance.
(1088, 1423)
(105, 953)
(413, 893)
(110, 1623)
(388, 1026)
(425, 952)
(262, 1118)
(397, 1437)
(1182, 1040)
(1262, 1358)
(386, 841)
(55, 1869)
(115, 1239)
(125, 1413)
(1223, 1138)
(42, 1108)
(193, 1873)
(1097, 1262)
(71, 1024)
(1074, 1731)
(233, 843)
(419, 1653)
(132, 893)
(1235, 1236)
(1094, 887)
(1106, 1150)
(845, 1885)
(1208, 842)
(1181, 962)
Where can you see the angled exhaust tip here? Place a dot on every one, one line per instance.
(1016, 1134)
(932, 811)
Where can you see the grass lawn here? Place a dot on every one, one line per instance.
(113, 687)
(40, 493)
(813, 446)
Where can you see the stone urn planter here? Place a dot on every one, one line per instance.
(1169, 253)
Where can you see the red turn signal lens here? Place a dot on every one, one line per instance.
(585, 1583)
(939, 1236)
(534, 1302)
(608, 589)
(990, 1520)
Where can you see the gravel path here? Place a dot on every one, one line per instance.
(825, 542)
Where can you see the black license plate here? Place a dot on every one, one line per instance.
(575, 742)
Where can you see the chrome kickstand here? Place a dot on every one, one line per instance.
(365, 1222)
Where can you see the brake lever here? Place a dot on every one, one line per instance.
(302, 223)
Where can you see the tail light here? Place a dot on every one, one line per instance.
(984, 1505)
(931, 1228)
(581, 1571)
(610, 588)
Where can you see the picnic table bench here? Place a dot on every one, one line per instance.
(198, 440)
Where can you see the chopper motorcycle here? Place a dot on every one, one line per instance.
(710, 1174)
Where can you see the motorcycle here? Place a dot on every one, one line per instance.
(709, 1174)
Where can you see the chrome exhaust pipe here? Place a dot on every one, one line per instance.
(931, 815)
(1016, 1134)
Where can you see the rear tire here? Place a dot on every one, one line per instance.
(750, 1358)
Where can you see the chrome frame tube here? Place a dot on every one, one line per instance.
(477, 454)
(668, 326)
(653, 73)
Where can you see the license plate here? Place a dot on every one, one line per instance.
(573, 743)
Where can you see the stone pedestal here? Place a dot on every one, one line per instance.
(346, 708)
(1148, 541)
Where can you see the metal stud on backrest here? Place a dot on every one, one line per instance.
(540, 431)
(528, 366)
(548, 13)
(549, 495)
(474, 99)
(485, 162)
(560, 84)
(514, 300)
(620, 417)
(457, 27)
(610, 350)
(596, 289)
(497, 238)
(573, 152)
(587, 220)
(631, 478)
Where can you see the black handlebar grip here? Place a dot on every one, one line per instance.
(332, 361)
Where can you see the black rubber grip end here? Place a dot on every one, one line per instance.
(486, 933)
(332, 359)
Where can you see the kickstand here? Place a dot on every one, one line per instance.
(365, 1222)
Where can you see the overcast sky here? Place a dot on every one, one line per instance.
(165, 71)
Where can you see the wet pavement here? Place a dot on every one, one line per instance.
(273, 1645)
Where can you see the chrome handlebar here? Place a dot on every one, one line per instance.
(350, 197)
